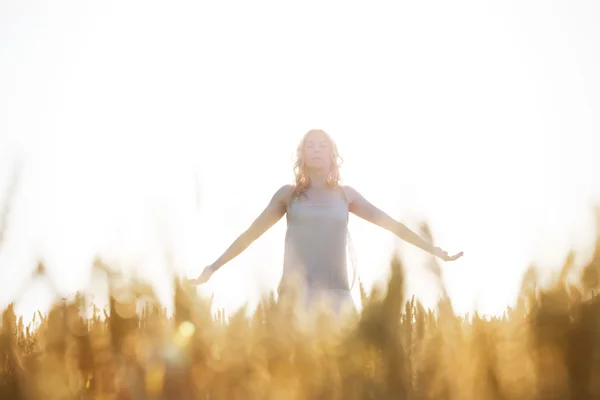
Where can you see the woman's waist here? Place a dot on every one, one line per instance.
(311, 258)
(321, 241)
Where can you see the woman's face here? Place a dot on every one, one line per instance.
(317, 151)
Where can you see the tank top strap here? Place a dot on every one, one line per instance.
(343, 194)
(350, 245)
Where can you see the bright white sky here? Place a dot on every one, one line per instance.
(142, 125)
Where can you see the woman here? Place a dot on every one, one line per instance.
(317, 209)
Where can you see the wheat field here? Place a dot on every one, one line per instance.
(544, 348)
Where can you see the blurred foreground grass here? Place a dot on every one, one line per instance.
(546, 347)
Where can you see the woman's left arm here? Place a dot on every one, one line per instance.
(362, 208)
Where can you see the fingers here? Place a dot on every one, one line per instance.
(203, 278)
(446, 257)
(197, 281)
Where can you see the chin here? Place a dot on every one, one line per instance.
(318, 164)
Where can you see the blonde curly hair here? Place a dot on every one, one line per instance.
(302, 179)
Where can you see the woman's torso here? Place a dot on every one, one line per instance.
(315, 241)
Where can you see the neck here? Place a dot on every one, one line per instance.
(318, 179)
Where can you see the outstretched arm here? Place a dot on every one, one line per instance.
(362, 208)
(269, 216)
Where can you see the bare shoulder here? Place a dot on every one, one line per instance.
(351, 194)
(283, 195)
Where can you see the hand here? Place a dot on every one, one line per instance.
(204, 276)
(444, 255)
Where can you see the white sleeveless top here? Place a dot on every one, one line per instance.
(315, 243)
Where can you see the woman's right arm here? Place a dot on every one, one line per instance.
(270, 215)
